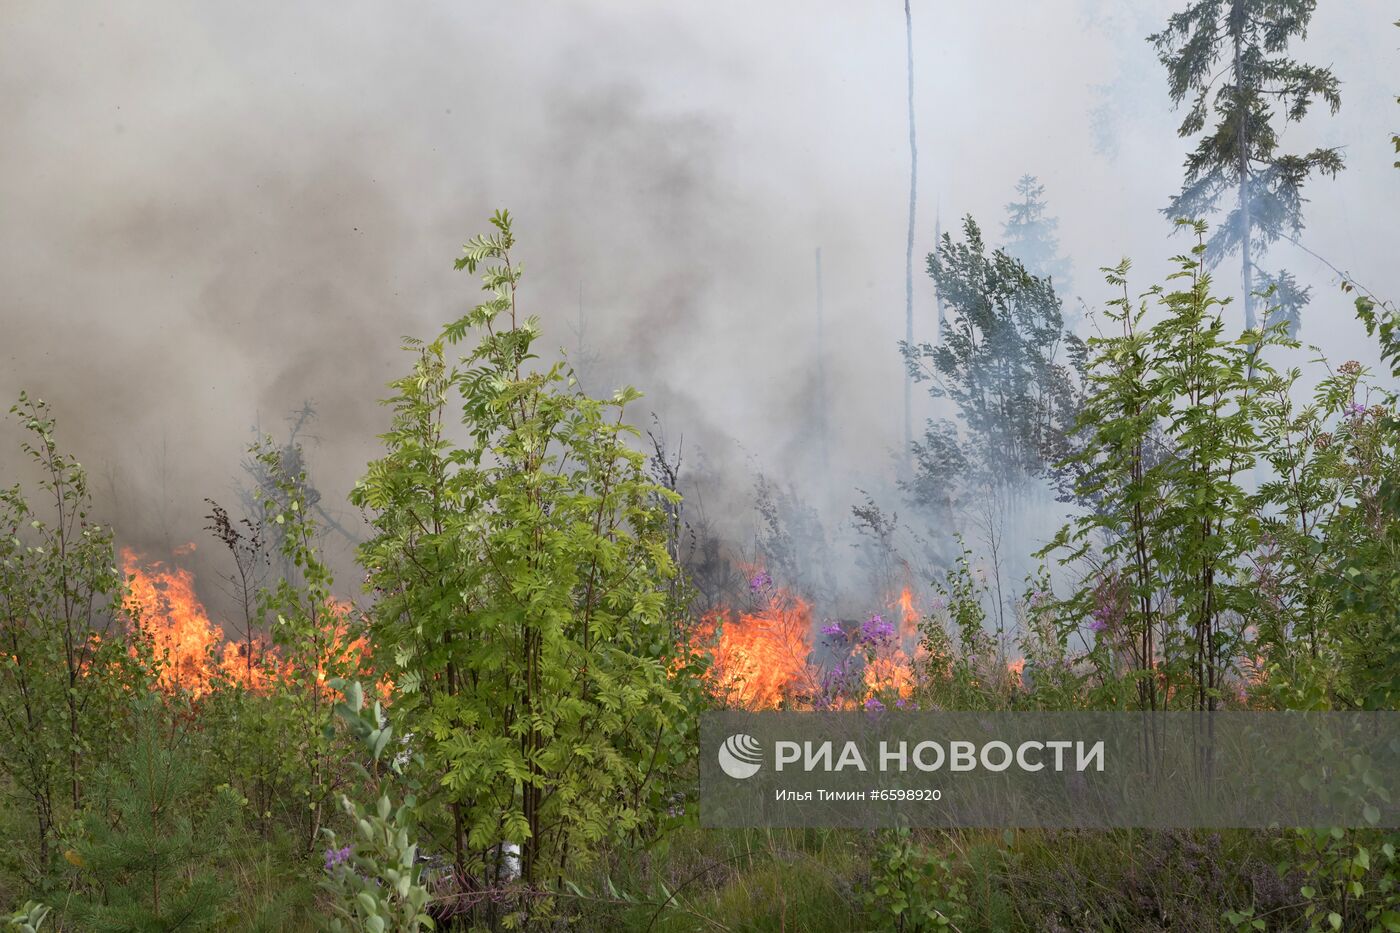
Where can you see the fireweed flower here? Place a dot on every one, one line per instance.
(760, 581)
(873, 705)
(876, 630)
(834, 630)
(336, 857)
(836, 685)
(1355, 410)
(1110, 603)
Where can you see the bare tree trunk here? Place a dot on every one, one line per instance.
(1246, 224)
(937, 239)
(909, 245)
(822, 426)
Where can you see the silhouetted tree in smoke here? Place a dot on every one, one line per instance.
(890, 552)
(1286, 298)
(943, 468)
(267, 486)
(1029, 234)
(791, 541)
(1228, 55)
(1007, 363)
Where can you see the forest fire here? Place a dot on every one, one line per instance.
(185, 641)
(760, 659)
(908, 615)
(169, 613)
(766, 659)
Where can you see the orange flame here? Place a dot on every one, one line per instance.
(765, 659)
(167, 611)
(759, 660)
(908, 615)
(891, 670)
(890, 673)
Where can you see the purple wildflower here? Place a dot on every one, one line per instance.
(873, 705)
(833, 687)
(760, 581)
(877, 630)
(336, 857)
(834, 630)
(1355, 410)
(1110, 603)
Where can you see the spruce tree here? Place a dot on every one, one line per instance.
(1030, 234)
(1229, 56)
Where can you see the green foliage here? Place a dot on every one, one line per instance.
(28, 919)
(963, 666)
(528, 607)
(768, 880)
(915, 889)
(316, 642)
(1383, 323)
(963, 591)
(955, 643)
(1353, 879)
(999, 361)
(1050, 678)
(64, 667)
(1331, 547)
(376, 880)
(523, 584)
(151, 837)
(1169, 428)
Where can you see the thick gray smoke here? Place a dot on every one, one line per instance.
(212, 212)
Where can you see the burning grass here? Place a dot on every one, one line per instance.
(776, 656)
(190, 651)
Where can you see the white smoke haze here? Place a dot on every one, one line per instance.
(210, 213)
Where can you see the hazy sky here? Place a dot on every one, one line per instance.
(212, 211)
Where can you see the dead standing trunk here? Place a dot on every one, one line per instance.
(909, 243)
(1246, 223)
